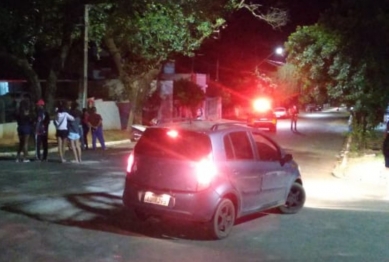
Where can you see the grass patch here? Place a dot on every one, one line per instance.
(368, 145)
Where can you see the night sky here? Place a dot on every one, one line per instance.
(247, 41)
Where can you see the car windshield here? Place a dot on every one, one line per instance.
(184, 144)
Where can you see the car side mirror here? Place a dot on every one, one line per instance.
(287, 158)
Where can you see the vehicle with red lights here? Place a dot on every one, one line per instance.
(263, 119)
(211, 173)
(262, 116)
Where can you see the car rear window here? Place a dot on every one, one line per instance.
(269, 114)
(187, 144)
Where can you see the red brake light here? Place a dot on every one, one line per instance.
(206, 171)
(172, 133)
(130, 162)
(261, 104)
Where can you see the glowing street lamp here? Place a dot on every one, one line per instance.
(279, 51)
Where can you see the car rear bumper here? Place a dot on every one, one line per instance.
(259, 124)
(190, 206)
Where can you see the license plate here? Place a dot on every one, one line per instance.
(152, 198)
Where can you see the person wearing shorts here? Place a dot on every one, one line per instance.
(74, 135)
(61, 124)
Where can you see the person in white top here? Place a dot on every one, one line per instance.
(61, 124)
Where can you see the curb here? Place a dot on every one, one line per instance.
(340, 167)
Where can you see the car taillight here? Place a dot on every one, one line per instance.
(130, 162)
(205, 172)
(261, 104)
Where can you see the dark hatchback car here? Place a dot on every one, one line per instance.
(263, 119)
(210, 173)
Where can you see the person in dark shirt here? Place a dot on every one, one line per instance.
(42, 122)
(293, 118)
(96, 126)
(25, 129)
(85, 128)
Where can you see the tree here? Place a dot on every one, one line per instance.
(189, 95)
(37, 36)
(141, 35)
(342, 59)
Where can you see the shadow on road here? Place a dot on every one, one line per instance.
(102, 212)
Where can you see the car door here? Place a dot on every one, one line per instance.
(274, 176)
(240, 166)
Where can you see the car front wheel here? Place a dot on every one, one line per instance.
(223, 219)
(295, 200)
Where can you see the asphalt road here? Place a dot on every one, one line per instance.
(73, 212)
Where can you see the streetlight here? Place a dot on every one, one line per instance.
(278, 51)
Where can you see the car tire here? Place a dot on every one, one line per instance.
(295, 200)
(223, 220)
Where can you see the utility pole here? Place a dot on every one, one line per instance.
(85, 71)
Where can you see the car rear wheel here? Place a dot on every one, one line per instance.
(295, 200)
(223, 219)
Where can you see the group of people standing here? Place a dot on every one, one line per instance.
(72, 129)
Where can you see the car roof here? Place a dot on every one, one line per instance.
(205, 126)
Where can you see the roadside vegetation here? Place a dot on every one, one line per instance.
(369, 143)
(333, 63)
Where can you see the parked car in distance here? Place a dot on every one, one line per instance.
(312, 108)
(281, 112)
(266, 119)
(210, 173)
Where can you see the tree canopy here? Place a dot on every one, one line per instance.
(343, 58)
(40, 35)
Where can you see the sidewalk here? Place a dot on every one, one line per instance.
(112, 139)
(368, 169)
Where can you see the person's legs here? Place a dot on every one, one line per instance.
(73, 145)
(94, 136)
(25, 147)
(295, 124)
(78, 149)
(59, 142)
(81, 133)
(85, 130)
(61, 148)
(45, 145)
(65, 142)
(100, 137)
(20, 147)
(38, 143)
